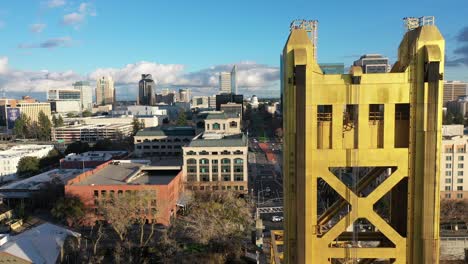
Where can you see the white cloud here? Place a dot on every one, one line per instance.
(77, 18)
(37, 28)
(14, 80)
(73, 18)
(3, 64)
(55, 3)
(252, 78)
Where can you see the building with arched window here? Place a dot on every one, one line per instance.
(216, 162)
(222, 123)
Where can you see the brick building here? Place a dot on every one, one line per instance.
(118, 177)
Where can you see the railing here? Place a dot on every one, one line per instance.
(321, 117)
(374, 116)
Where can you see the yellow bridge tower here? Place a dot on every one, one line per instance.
(361, 153)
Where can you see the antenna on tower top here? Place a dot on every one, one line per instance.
(310, 26)
(415, 22)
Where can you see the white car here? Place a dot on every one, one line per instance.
(277, 218)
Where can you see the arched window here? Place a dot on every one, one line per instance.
(233, 124)
(238, 161)
(204, 161)
(216, 126)
(191, 161)
(225, 161)
(191, 153)
(203, 152)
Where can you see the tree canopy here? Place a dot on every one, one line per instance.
(77, 147)
(27, 167)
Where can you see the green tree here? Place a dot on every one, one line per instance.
(458, 119)
(45, 126)
(69, 209)
(21, 126)
(103, 145)
(60, 121)
(182, 119)
(54, 121)
(27, 167)
(137, 125)
(87, 113)
(71, 115)
(77, 147)
(53, 157)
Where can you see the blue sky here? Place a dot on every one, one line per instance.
(175, 40)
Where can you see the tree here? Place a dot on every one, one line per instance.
(27, 167)
(103, 145)
(451, 210)
(21, 126)
(116, 212)
(137, 125)
(45, 126)
(69, 115)
(53, 157)
(77, 147)
(60, 121)
(69, 209)
(216, 222)
(458, 119)
(57, 121)
(182, 119)
(87, 113)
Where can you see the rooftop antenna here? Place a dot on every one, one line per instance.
(310, 26)
(412, 23)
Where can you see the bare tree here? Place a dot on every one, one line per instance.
(116, 211)
(219, 221)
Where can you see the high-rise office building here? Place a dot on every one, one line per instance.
(374, 142)
(86, 94)
(184, 95)
(146, 88)
(373, 63)
(224, 82)
(234, 80)
(454, 89)
(105, 91)
(63, 94)
(228, 81)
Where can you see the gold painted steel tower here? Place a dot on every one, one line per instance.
(361, 153)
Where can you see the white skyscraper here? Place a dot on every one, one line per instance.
(86, 94)
(234, 80)
(228, 81)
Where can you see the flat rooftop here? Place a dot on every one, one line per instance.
(36, 182)
(131, 174)
(237, 140)
(167, 131)
(23, 150)
(94, 156)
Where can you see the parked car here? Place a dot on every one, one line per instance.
(277, 218)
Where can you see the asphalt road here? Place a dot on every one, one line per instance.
(266, 181)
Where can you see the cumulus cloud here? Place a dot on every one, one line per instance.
(252, 78)
(250, 75)
(48, 44)
(461, 53)
(55, 3)
(37, 28)
(77, 18)
(14, 80)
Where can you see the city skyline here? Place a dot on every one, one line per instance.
(58, 42)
